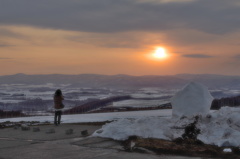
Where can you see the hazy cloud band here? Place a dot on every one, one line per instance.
(197, 56)
(215, 16)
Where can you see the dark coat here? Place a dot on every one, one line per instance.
(58, 102)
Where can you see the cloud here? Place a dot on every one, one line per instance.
(107, 16)
(165, 1)
(9, 33)
(5, 58)
(130, 40)
(197, 56)
(237, 56)
(5, 45)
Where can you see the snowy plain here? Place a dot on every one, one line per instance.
(96, 117)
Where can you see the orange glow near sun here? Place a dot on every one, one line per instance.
(160, 53)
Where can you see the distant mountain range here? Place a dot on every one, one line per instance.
(125, 81)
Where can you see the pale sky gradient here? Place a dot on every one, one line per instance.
(119, 36)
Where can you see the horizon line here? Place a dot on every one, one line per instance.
(115, 74)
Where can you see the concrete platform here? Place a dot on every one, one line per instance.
(18, 144)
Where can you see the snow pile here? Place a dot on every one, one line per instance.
(220, 128)
(149, 127)
(193, 99)
(227, 150)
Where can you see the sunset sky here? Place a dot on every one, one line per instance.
(119, 37)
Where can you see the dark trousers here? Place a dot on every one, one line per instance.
(57, 117)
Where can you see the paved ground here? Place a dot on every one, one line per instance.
(18, 144)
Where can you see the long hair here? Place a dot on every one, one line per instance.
(58, 92)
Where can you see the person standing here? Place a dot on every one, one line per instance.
(58, 105)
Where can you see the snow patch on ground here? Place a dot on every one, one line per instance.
(227, 150)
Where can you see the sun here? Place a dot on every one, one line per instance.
(160, 53)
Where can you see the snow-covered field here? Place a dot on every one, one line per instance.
(12, 96)
(139, 103)
(96, 117)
